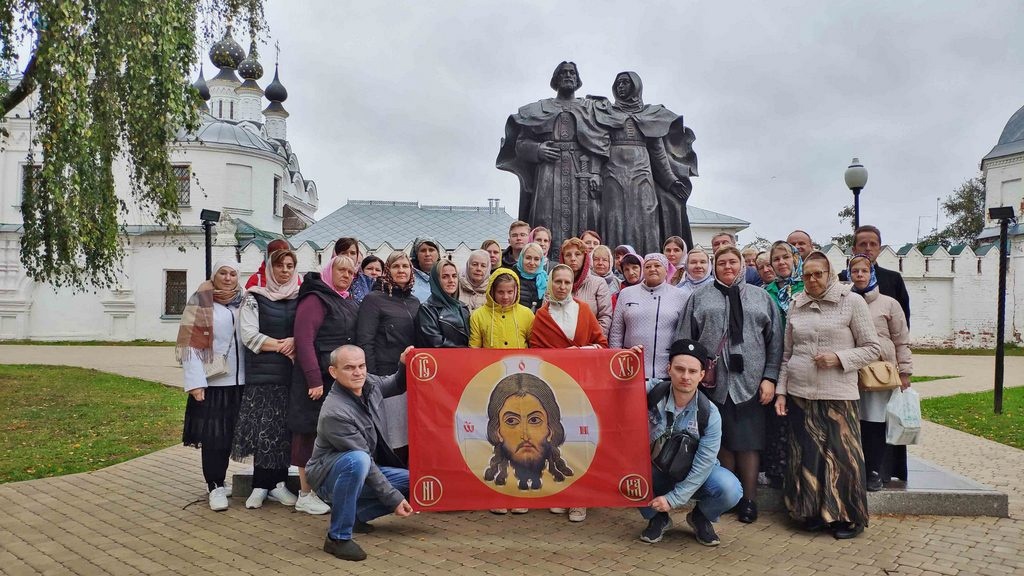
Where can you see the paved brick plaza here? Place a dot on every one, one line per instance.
(149, 516)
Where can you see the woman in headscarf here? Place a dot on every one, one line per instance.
(787, 266)
(632, 274)
(493, 251)
(267, 320)
(533, 278)
(260, 277)
(881, 461)
(385, 327)
(601, 258)
(443, 320)
(325, 319)
(565, 322)
(620, 252)
(647, 315)
(675, 250)
(698, 272)
(473, 281)
(789, 269)
(739, 326)
(586, 287)
(207, 348)
(424, 254)
(361, 283)
(645, 181)
(542, 236)
(829, 336)
(763, 262)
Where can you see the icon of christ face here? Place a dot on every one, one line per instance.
(524, 425)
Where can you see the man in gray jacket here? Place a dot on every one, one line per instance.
(352, 466)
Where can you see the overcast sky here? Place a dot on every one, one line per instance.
(407, 100)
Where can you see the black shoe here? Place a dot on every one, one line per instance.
(361, 527)
(815, 524)
(656, 528)
(848, 530)
(746, 512)
(702, 528)
(344, 549)
(874, 482)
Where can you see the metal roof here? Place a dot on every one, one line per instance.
(374, 222)
(930, 249)
(985, 248)
(905, 249)
(216, 131)
(1011, 141)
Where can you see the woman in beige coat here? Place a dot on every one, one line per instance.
(829, 336)
(881, 462)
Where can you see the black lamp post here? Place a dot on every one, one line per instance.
(856, 177)
(209, 218)
(1005, 215)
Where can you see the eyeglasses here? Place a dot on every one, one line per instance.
(815, 275)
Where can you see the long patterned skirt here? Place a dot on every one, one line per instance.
(826, 476)
(262, 429)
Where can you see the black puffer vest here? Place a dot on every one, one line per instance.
(338, 328)
(277, 320)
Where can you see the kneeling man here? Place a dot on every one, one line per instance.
(352, 467)
(677, 405)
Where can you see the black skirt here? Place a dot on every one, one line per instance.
(742, 425)
(262, 427)
(211, 423)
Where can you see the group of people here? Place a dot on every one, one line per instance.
(756, 354)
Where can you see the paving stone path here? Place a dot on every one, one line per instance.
(149, 516)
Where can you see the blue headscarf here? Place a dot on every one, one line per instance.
(540, 277)
(794, 284)
(872, 284)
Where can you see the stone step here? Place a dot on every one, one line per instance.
(931, 490)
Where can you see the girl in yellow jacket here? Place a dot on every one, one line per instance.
(502, 322)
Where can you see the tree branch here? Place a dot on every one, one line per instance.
(22, 90)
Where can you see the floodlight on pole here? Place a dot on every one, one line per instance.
(209, 218)
(1005, 216)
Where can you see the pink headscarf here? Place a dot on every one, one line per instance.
(327, 274)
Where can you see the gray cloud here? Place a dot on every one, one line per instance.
(408, 100)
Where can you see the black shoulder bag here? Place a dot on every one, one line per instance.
(672, 453)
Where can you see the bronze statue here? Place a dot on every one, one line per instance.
(620, 168)
(646, 181)
(557, 150)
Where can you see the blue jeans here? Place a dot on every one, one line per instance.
(720, 492)
(351, 498)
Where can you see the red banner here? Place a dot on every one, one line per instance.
(527, 429)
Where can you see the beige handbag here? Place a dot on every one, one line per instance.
(878, 376)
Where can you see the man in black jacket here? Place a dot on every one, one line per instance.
(352, 466)
(518, 233)
(867, 240)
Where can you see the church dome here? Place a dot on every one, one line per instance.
(226, 53)
(276, 92)
(1014, 129)
(250, 68)
(201, 87)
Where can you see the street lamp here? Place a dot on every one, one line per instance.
(1005, 215)
(856, 177)
(209, 218)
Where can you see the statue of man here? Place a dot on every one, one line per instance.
(646, 180)
(557, 149)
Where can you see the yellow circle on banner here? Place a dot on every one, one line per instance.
(536, 454)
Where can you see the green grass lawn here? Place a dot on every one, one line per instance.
(58, 420)
(916, 379)
(973, 413)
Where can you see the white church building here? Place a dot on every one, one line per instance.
(239, 162)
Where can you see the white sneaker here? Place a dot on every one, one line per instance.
(256, 499)
(283, 495)
(519, 510)
(218, 499)
(577, 514)
(310, 503)
(557, 510)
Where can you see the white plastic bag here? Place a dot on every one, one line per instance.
(903, 418)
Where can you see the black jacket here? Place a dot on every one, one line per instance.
(528, 293)
(386, 326)
(338, 328)
(277, 320)
(507, 259)
(437, 325)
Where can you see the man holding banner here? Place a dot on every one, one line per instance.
(676, 406)
(352, 466)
